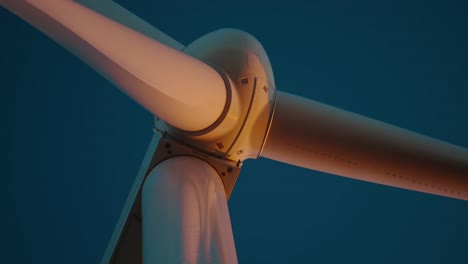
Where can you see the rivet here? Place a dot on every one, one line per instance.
(220, 145)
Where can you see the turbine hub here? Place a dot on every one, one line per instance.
(241, 130)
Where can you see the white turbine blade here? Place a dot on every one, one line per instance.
(183, 91)
(116, 12)
(320, 137)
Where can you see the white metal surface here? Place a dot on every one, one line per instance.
(183, 91)
(244, 63)
(185, 215)
(118, 13)
(321, 137)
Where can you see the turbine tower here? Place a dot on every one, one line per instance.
(216, 104)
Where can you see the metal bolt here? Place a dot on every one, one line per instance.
(220, 145)
(244, 81)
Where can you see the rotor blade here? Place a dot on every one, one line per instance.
(320, 137)
(181, 90)
(118, 13)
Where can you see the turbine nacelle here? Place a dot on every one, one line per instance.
(241, 130)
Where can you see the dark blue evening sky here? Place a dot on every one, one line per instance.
(73, 143)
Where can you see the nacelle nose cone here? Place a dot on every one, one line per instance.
(244, 65)
(229, 50)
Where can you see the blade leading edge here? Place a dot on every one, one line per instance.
(178, 88)
(118, 13)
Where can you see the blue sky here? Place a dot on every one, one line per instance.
(74, 143)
